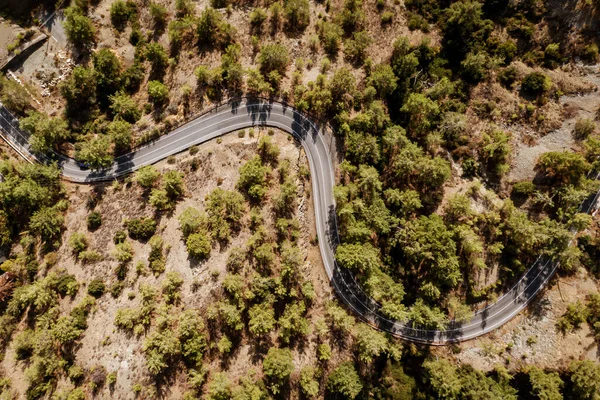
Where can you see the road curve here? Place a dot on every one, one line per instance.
(248, 113)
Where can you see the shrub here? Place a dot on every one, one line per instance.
(171, 287)
(508, 76)
(141, 228)
(344, 381)
(584, 127)
(89, 256)
(273, 57)
(158, 92)
(572, 319)
(387, 17)
(147, 176)
(121, 12)
(297, 14)
(78, 242)
(536, 83)
(96, 288)
(198, 245)
(158, 14)
(278, 366)
(523, 188)
(590, 53)
(94, 220)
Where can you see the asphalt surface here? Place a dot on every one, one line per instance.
(247, 113)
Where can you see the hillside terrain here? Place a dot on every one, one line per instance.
(467, 140)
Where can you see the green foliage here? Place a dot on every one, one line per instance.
(344, 381)
(584, 127)
(79, 28)
(147, 176)
(253, 179)
(443, 378)
(262, 319)
(192, 337)
(141, 228)
(157, 55)
(159, 15)
(562, 167)
(94, 220)
(191, 221)
(361, 258)
(369, 343)
(545, 385)
(47, 222)
(156, 259)
(46, 132)
(158, 92)
(171, 287)
(278, 366)
(198, 245)
(292, 323)
(78, 242)
(585, 376)
(297, 14)
(107, 68)
(161, 348)
(308, 384)
(213, 31)
(121, 12)
(225, 210)
(95, 153)
(536, 83)
(125, 107)
(572, 319)
(219, 387)
(273, 57)
(96, 288)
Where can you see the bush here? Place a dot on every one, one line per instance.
(78, 242)
(344, 381)
(536, 83)
(89, 256)
(79, 28)
(507, 77)
(584, 127)
(590, 53)
(94, 220)
(96, 288)
(158, 92)
(297, 14)
(198, 245)
(387, 17)
(278, 366)
(273, 57)
(141, 228)
(523, 188)
(121, 12)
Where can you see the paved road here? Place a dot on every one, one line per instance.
(245, 114)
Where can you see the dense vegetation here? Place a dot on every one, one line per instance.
(406, 128)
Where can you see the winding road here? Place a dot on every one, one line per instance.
(247, 113)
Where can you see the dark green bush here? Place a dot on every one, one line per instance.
(94, 220)
(536, 83)
(96, 288)
(141, 228)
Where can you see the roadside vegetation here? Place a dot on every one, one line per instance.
(416, 115)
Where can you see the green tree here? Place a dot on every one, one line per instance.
(121, 134)
(369, 343)
(96, 152)
(308, 384)
(47, 222)
(563, 167)
(158, 92)
(278, 366)
(191, 220)
(147, 176)
(361, 258)
(383, 80)
(79, 89)
(219, 387)
(198, 245)
(157, 55)
(262, 319)
(46, 132)
(79, 28)
(124, 106)
(536, 83)
(545, 386)
(273, 57)
(108, 72)
(443, 378)
(297, 14)
(253, 179)
(585, 376)
(355, 49)
(344, 381)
